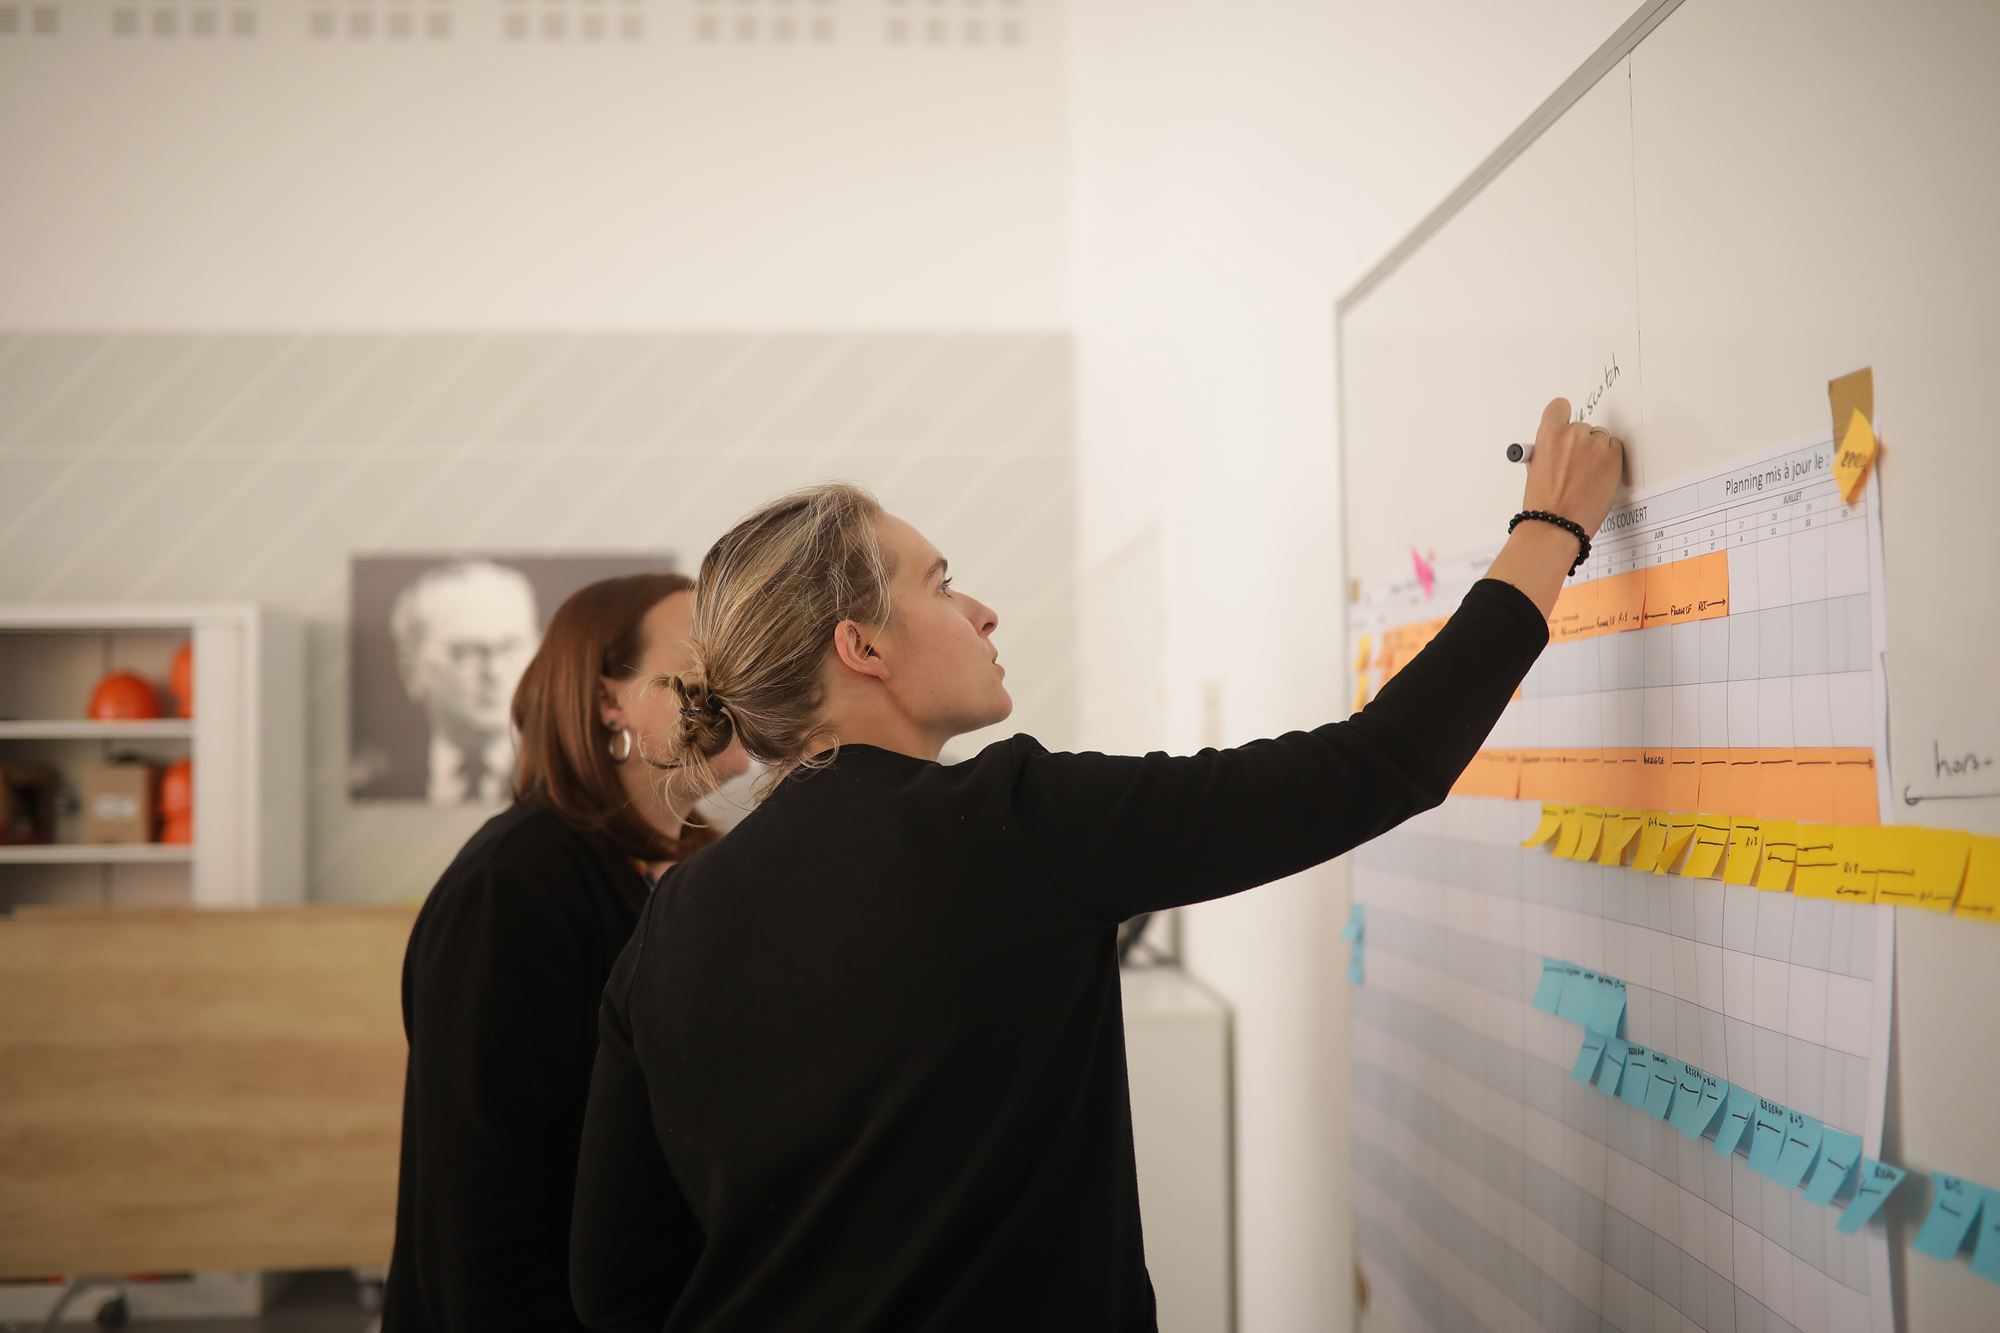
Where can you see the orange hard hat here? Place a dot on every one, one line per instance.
(179, 830)
(123, 697)
(180, 678)
(177, 791)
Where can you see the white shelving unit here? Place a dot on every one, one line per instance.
(247, 740)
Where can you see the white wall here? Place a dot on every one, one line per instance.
(289, 290)
(1236, 166)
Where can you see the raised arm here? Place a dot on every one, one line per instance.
(1123, 835)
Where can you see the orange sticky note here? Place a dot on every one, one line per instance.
(1711, 839)
(1680, 831)
(1854, 787)
(1652, 840)
(1552, 822)
(1620, 826)
(1683, 780)
(1980, 896)
(1818, 869)
(1621, 602)
(1718, 783)
(1851, 393)
(1857, 451)
(1781, 854)
(1575, 613)
(1935, 861)
(1711, 585)
(1746, 849)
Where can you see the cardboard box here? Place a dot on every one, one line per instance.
(120, 802)
(27, 804)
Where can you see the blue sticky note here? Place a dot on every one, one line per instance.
(1839, 1155)
(1660, 1087)
(1355, 971)
(1955, 1207)
(1579, 997)
(1735, 1122)
(1550, 988)
(1638, 1071)
(1800, 1151)
(1694, 1111)
(1587, 1057)
(1613, 1067)
(1877, 1182)
(1356, 921)
(1767, 1137)
(1986, 1249)
(1609, 1010)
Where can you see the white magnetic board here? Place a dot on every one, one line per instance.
(1720, 214)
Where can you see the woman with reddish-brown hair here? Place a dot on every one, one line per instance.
(508, 959)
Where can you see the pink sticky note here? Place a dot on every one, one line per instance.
(1426, 576)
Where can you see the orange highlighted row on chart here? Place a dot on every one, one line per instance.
(1826, 786)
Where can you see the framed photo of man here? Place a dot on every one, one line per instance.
(437, 644)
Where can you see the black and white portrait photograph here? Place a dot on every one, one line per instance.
(438, 644)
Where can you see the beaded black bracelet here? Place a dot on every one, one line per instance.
(1573, 529)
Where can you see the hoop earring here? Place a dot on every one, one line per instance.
(618, 733)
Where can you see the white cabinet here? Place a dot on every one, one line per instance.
(246, 739)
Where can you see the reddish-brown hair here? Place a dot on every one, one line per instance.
(565, 757)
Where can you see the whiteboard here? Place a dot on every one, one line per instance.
(1731, 204)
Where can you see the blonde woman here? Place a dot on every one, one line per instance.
(862, 1064)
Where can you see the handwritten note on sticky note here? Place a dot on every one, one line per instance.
(1781, 853)
(1857, 451)
(1711, 839)
(1548, 991)
(1572, 832)
(1746, 849)
(1680, 832)
(1620, 828)
(1587, 1057)
(1694, 1111)
(1955, 1208)
(1737, 1113)
(1592, 830)
(1980, 896)
(1878, 1180)
(1660, 1089)
(1612, 1069)
(1986, 1248)
(1818, 868)
(1767, 1137)
(1579, 998)
(1800, 1150)
(1652, 840)
(1638, 1075)
(1552, 822)
(1839, 1158)
(1934, 860)
(1609, 1011)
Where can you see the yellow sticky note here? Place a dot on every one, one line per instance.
(1857, 451)
(1552, 822)
(1360, 693)
(1680, 829)
(1818, 869)
(1572, 832)
(1652, 840)
(1781, 853)
(1620, 827)
(1922, 867)
(1361, 655)
(1593, 829)
(1711, 839)
(1857, 852)
(1746, 849)
(1981, 895)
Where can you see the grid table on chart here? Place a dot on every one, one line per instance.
(1492, 1189)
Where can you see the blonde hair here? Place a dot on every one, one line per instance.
(766, 602)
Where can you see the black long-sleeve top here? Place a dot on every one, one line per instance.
(862, 1065)
(501, 986)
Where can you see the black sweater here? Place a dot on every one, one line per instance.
(862, 1065)
(501, 986)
